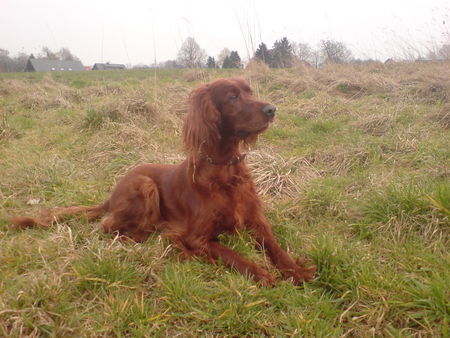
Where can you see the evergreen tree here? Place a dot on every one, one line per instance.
(283, 54)
(222, 55)
(263, 54)
(232, 61)
(235, 60)
(211, 63)
(226, 62)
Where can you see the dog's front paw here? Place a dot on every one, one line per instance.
(300, 274)
(264, 278)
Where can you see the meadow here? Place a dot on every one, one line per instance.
(354, 174)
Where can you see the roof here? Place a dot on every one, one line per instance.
(45, 65)
(107, 66)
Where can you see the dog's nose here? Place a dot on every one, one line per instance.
(269, 110)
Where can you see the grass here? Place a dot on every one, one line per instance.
(354, 174)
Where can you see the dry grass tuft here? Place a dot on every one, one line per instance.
(277, 97)
(38, 99)
(45, 94)
(6, 131)
(433, 93)
(10, 87)
(442, 118)
(128, 134)
(375, 124)
(277, 176)
(258, 73)
(353, 82)
(196, 75)
(176, 97)
(139, 106)
(108, 89)
(339, 160)
(348, 88)
(299, 86)
(33, 100)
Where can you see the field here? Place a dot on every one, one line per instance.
(354, 174)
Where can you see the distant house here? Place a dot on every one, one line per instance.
(107, 66)
(45, 65)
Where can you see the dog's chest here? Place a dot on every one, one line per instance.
(230, 211)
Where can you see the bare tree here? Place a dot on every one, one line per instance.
(191, 55)
(63, 54)
(317, 58)
(66, 55)
(335, 51)
(47, 53)
(170, 64)
(12, 63)
(20, 62)
(444, 52)
(6, 63)
(303, 52)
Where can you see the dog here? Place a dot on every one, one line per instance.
(211, 192)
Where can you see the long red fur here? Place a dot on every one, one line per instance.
(209, 193)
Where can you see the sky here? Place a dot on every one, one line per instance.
(145, 31)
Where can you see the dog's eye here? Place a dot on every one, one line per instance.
(234, 97)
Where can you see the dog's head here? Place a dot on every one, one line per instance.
(225, 111)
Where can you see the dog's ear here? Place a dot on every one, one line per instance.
(201, 128)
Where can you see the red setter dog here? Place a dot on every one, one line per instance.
(210, 193)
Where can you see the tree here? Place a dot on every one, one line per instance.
(211, 63)
(20, 61)
(191, 55)
(226, 62)
(282, 54)
(12, 64)
(222, 55)
(335, 52)
(444, 52)
(316, 58)
(171, 64)
(303, 52)
(66, 55)
(47, 53)
(63, 54)
(141, 66)
(6, 63)
(235, 60)
(262, 53)
(232, 61)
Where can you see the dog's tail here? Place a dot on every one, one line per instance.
(48, 217)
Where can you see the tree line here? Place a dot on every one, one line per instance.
(17, 63)
(283, 54)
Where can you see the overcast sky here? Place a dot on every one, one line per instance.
(140, 31)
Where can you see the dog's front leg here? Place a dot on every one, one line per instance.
(266, 240)
(233, 259)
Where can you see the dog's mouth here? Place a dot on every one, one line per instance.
(249, 132)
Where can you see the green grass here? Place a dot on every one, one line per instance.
(354, 173)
